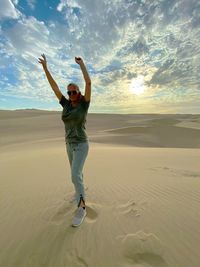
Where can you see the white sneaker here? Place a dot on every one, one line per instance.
(79, 216)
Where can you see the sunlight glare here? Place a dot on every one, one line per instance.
(137, 85)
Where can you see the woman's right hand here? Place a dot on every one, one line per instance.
(43, 61)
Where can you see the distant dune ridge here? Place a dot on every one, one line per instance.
(142, 181)
(152, 130)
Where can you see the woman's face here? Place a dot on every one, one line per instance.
(72, 92)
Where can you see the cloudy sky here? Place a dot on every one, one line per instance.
(143, 56)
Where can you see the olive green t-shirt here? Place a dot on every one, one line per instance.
(74, 119)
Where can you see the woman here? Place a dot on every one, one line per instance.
(74, 117)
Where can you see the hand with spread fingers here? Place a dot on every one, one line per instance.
(43, 60)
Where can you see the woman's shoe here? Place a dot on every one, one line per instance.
(79, 216)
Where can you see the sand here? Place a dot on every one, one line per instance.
(142, 180)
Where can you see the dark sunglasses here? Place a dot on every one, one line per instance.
(74, 92)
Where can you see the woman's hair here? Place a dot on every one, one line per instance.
(75, 85)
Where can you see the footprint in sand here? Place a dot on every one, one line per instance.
(142, 250)
(190, 174)
(93, 210)
(131, 208)
(176, 172)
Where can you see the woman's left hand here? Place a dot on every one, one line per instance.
(78, 60)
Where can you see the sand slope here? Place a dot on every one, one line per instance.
(142, 203)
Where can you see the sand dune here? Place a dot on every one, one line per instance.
(157, 136)
(152, 130)
(142, 202)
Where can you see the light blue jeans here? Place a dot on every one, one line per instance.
(77, 153)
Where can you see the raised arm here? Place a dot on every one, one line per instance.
(86, 78)
(53, 84)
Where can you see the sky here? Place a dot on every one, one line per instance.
(143, 56)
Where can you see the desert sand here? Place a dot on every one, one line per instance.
(142, 180)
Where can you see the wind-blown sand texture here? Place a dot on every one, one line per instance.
(142, 179)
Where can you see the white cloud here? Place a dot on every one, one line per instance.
(8, 10)
(67, 3)
(26, 36)
(119, 40)
(23, 50)
(31, 4)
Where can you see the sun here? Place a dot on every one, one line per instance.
(137, 85)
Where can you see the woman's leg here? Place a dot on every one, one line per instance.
(69, 150)
(80, 152)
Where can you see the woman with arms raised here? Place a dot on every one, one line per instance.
(74, 117)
